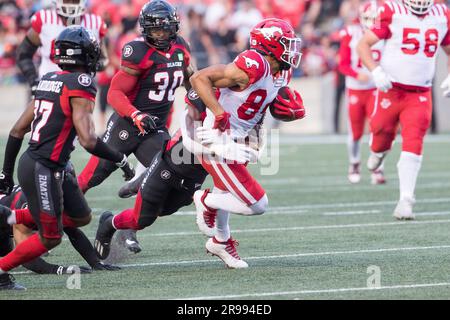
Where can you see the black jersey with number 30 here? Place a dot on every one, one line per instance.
(53, 132)
(161, 74)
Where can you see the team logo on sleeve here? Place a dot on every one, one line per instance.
(127, 51)
(250, 63)
(85, 80)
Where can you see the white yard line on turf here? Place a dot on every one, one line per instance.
(287, 256)
(338, 290)
(282, 256)
(319, 227)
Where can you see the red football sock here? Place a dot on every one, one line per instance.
(25, 251)
(125, 220)
(23, 216)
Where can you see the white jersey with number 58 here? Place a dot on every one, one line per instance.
(247, 107)
(412, 42)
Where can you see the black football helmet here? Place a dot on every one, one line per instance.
(76, 46)
(157, 15)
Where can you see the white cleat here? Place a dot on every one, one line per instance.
(375, 160)
(354, 173)
(206, 217)
(404, 209)
(377, 177)
(226, 251)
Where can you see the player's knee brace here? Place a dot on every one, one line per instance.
(261, 206)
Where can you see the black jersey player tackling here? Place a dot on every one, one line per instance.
(64, 104)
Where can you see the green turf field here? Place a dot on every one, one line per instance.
(317, 241)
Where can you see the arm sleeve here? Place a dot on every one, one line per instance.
(345, 56)
(382, 26)
(122, 86)
(25, 53)
(12, 150)
(252, 64)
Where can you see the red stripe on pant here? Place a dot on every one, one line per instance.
(129, 218)
(88, 172)
(23, 216)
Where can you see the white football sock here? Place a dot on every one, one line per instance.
(139, 170)
(408, 169)
(227, 202)
(354, 150)
(222, 226)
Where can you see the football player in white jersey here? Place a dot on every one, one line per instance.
(244, 90)
(412, 30)
(360, 87)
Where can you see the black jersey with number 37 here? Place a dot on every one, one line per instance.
(161, 74)
(53, 132)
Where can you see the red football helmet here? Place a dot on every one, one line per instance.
(276, 37)
(419, 7)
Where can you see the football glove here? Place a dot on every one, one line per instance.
(222, 122)
(382, 79)
(233, 151)
(144, 122)
(210, 135)
(446, 86)
(288, 109)
(127, 168)
(6, 183)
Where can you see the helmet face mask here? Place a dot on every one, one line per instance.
(70, 8)
(276, 38)
(419, 7)
(77, 47)
(292, 51)
(157, 16)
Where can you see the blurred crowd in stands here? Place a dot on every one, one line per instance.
(216, 29)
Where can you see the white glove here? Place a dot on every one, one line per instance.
(381, 79)
(233, 151)
(446, 86)
(212, 136)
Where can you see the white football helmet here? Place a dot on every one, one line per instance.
(418, 6)
(70, 8)
(368, 12)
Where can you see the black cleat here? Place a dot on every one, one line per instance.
(131, 188)
(101, 266)
(105, 232)
(8, 282)
(129, 240)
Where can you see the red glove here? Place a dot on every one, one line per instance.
(288, 109)
(222, 122)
